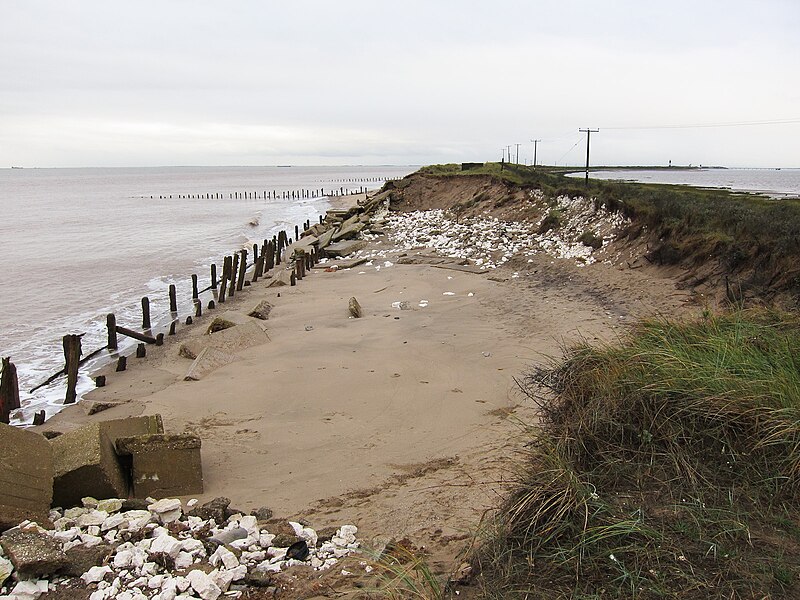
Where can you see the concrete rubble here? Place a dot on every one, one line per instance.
(163, 553)
(85, 460)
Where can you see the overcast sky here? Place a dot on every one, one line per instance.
(194, 82)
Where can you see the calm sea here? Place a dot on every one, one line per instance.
(77, 244)
(778, 183)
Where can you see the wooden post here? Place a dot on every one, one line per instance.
(255, 252)
(173, 327)
(296, 232)
(211, 305)
(160, 339)
(195, 295)
(72, 356)
(39, 417)
(223, 288)
(214, 275)
(122, 363)
(242, 269)
(111, 324)
(145, 313)
(9, 390)
(141, 350)
(292, 278)
(100, 381)
(198, 308)
(189, 320)
(256, 268)
(234, 271)
(173, 302)
(298, 268)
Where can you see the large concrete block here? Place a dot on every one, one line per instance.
(164, 466)
(86, 463)
(26, 477)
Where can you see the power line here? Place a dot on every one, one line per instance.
(711, 125)
(588, 133)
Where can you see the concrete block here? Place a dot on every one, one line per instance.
(230, 341)
(164, 465)
(208, 360)
(26, 477)
(345, 247)
(86, 463)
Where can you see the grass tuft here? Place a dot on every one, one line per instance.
(666, 465)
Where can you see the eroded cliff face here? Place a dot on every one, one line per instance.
(573, 226)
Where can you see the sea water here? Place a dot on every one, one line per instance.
(777, 183)
(77, 244)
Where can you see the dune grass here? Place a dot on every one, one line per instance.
(667, 465)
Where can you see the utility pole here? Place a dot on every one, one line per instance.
(535, 145)
(588, 133)
(517, 145)
(509, 153)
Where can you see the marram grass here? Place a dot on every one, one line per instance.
(666, 466)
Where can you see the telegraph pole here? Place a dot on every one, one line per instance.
(535, 145)
(509, 154)
(517, 145)
(588, 133)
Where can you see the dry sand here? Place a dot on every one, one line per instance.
(402, 422)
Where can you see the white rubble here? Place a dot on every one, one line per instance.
(152, 546)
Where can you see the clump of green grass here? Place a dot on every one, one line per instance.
(667, 465)
(551, 221)
(591, 239)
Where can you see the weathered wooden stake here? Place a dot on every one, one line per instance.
(72, 357)
(173, 302)
(9, 390)
(160, 339)
(211, 305)
(141, 350)
(214, 275)
(189, 320)
(145, 313)
(111, 325)
(198, 308)
(194, 287)
(292, 278)
(100, 381)
(122, 363)
(39, 417)
(173, 327)
(242, 269)
(234, 271)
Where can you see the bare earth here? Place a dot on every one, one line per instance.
(402, 422)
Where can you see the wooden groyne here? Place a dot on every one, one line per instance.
(293, 194)
(280, 260)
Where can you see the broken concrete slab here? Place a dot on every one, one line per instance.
(26, 477)
(229, 341)
(345, 247)
(85, 461)
(32, 553)
(326, 237)
(281, 277)
(208, 360)
(164, 465)
(261, 311)
(355, 308)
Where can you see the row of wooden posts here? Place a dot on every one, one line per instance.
(233, 279)
(266, 195)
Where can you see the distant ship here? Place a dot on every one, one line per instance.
(16, 167)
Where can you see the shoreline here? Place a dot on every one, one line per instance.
(402, 422)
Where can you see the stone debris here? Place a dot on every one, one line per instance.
(355, 308)
(161, 553)
(488, 242)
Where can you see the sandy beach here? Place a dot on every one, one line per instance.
(403, 422)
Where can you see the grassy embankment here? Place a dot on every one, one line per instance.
(666, 464)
